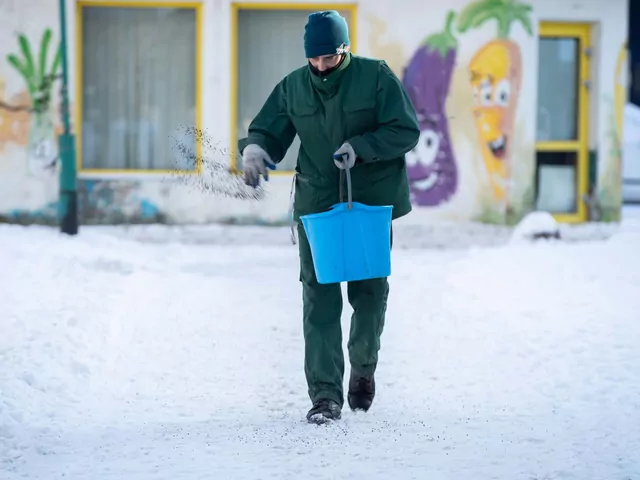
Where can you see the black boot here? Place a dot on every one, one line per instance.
(324, 410)
(362, 389)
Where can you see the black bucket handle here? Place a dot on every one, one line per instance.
(347, 172)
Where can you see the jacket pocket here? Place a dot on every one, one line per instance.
(305, 198)
(313, 197)
(359, 117)
(305, 117)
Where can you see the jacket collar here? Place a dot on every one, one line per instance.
(330, 81)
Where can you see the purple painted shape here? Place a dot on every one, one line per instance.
(431, 165)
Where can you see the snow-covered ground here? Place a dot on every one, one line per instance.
(132, 360)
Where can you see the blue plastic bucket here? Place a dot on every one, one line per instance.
(350, 242)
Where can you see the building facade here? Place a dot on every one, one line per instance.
(526, 96)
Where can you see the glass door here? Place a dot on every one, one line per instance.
(562, 146)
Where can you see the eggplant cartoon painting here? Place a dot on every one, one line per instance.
(431, 165)
(495, 74)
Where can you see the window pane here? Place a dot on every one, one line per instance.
(260, 34)
(138, 86)
(558, 77)
(557, 182)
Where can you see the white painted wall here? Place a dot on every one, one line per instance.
(389, 30)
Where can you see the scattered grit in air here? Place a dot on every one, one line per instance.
(216, 177)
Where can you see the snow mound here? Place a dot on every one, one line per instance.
(534, 226)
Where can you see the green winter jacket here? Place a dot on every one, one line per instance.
(363, 103)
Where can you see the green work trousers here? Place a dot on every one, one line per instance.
(322, 311)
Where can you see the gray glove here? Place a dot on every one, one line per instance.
(256, 162)
(345, 157)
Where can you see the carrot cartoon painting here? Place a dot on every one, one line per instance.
(431, 165)
(495, 73)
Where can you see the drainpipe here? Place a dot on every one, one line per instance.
(68, 204)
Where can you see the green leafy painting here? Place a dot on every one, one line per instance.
(39, 77)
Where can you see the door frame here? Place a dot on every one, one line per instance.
(581, 31)
(233, 86)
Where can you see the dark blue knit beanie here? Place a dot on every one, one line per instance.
(326, 33)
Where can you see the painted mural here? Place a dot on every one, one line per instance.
(494, 75)
(28, 118)
(431, 165)
(29, 126)
(29, 130)
(99, 202)
(14, 118)
(609, 198)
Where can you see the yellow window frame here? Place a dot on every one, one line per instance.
(80, 5)
(581, 31)
(352, 8)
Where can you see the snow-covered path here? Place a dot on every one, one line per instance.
(132, 361)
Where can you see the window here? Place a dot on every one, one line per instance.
(558, 88)
(139, 79)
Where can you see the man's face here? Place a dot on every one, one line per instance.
(325, 62)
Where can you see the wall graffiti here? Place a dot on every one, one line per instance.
(28, 118)
(39, 78)
(495, 73)
(100, 202)
(116, 201)
(610, 184)
(431, 165)
(14, 123)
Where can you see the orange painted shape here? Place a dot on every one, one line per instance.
(14, 126)
(495, 73)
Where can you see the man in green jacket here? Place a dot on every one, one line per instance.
(349, 112)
